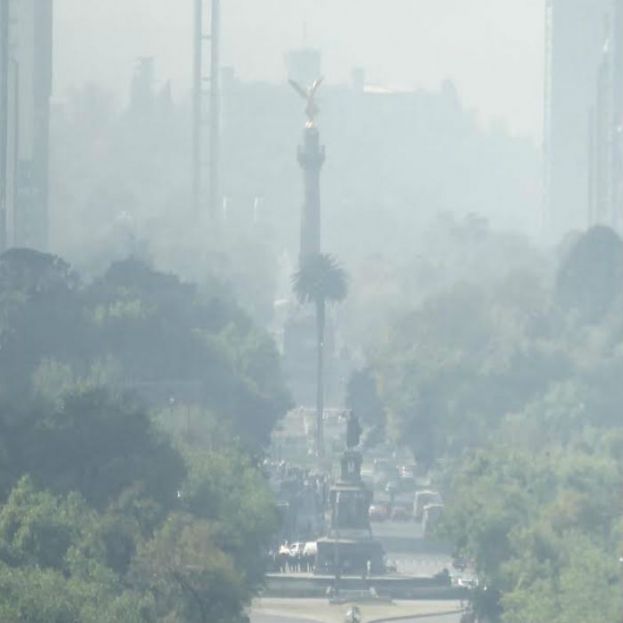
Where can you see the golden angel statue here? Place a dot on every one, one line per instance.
(309, 95)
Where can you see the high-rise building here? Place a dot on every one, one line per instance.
(25, 90)
(4, 101)
(576, 33)
(606, 131)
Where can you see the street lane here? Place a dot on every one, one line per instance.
(267, 618)
(419, 565)
(452, 618)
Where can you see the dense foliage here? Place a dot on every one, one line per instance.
(509, 387)
(111, 510)
(148, 331)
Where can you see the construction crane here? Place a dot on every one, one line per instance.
(206, 108)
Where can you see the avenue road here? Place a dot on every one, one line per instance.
(262, 618)
(265, 618)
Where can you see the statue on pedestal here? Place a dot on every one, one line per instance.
(349, 546)
(353, 431)
(309, 95)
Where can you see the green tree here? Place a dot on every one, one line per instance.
(590, 276)
(40, 316)
(450, 370)
(93, 442)
(224, 488)
(320, 280)
(37, 529)
(46, 596)
(542, 527)
(363, 398)
(198, 346)
(193, 580)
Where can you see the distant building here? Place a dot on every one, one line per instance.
(142, 88)
(25, 90)
(4, 68)
(606, 136)
(576, 33)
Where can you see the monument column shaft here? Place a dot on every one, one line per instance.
(311, 158)
(310, 225)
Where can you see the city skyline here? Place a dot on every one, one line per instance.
(496, 62)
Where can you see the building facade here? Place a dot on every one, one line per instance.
(583, 115)
(576, 31)
(25, 91)
(606, 147)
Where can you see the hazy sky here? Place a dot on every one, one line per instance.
(492, 49)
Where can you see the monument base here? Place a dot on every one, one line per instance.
(350, 557)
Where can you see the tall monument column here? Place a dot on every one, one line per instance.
(311, 156)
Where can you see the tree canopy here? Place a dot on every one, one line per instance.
(109, 510)
(320, 279)
(154, 335)
(507, 386)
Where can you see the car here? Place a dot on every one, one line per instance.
(432, 515)
(392, 488)
(400, 513)
(378, 512)
(422, 499)
(407, 471)
(467, 583)
(296, 549)
(382, 465)
(310, 549)
(407, 483)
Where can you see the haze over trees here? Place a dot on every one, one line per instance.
(141, 364)
(394, 161)
(114, 509)
(508, 387)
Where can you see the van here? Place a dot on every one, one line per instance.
(431, 516)
(422, 499)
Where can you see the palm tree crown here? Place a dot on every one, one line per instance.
(320, 278)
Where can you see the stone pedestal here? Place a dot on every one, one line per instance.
(350, 547)
(348, 557)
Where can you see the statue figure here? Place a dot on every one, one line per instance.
(309, 95)
(353, 431)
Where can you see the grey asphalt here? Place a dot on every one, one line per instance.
(263, 618)
(454, 618)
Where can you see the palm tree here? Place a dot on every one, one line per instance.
(320, 279)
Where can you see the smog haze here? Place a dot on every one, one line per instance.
(491, 49)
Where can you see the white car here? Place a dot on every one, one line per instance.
(297, 549)
(467, 582)
(310, 549)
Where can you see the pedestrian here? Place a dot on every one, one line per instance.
(284, 555)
